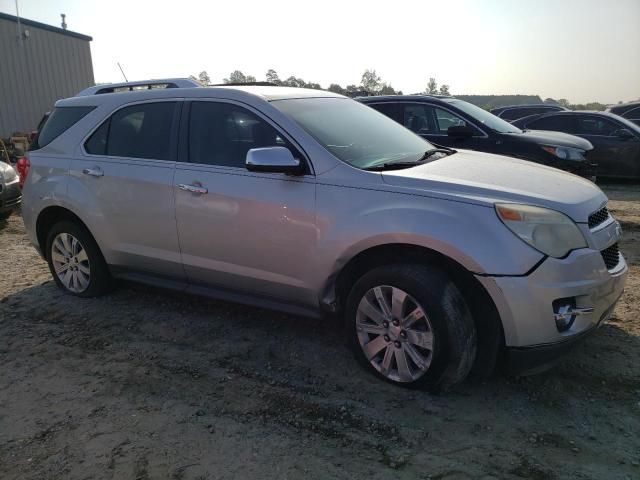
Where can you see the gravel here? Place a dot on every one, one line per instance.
(146, 384)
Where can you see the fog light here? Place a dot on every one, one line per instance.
(565, 313)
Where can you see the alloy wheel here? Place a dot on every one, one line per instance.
(70, 262)
(395, 333)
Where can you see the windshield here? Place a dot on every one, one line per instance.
(487, 119)
(355, 133)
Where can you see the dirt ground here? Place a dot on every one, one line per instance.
(147, 384)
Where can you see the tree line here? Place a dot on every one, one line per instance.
(370, 83)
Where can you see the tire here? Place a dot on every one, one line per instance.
(442, 333)
(91, 277)
(4, 216)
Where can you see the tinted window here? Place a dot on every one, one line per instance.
(60, 120)
(632, 114)
(139, 131)
(97, 143)
(389, 109)
(446, 119)
(558, 123)
(353, 132)
(516, 113)
(419, 118)
(591, 125)
(222, 134)
(483, 117)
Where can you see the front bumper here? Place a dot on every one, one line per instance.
(525, 303)
(10, 197)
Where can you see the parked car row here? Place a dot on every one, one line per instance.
(440, 260)
(455, 123)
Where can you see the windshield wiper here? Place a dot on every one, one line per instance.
(404, 164)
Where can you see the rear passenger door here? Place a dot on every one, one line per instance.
(124, 174)
(242, 231)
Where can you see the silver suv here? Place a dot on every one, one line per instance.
(441, 261)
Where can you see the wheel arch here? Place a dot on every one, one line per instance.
(48, 217)
(485, 314)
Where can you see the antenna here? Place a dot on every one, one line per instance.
(19, 26)
(122, 71)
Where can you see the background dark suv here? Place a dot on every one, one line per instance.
(514, 112)
(450, 122)
(630, 111)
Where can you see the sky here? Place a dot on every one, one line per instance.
(581, 50)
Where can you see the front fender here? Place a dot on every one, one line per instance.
(352, 220)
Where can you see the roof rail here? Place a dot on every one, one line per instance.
(141, 85)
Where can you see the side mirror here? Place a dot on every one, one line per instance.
(273, 160)
(624, 134)
(460, 132)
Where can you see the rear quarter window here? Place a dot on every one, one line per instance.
(60, 120)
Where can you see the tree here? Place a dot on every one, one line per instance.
(203, 78)
(238, 77)
(444, 90)
(335, 88)
(371, 81)
(294, 82)
(563, 102)
(432, 87)
(551, 101)
(387, 89)
(272, 77)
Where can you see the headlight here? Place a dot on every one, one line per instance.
(548, 231)
(565, 153)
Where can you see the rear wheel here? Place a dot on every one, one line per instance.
(76, 262)
(411, 326)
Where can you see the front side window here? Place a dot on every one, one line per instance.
(223, 133)
(59, 121)
(483, 117)
(138, 131)
(446, 119)
(352, 132)
(419, 118)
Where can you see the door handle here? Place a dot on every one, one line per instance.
(94, 172)
(193, 189)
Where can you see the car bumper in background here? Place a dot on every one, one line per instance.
(10, 197)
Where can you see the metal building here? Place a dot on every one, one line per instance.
(39, 64)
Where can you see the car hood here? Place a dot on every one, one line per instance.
(486, 179)
(556, 139)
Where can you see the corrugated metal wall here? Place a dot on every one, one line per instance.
(36, 71)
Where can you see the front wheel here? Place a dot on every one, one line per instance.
(411, 326)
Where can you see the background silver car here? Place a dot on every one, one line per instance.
(10, 192)
(309, 202)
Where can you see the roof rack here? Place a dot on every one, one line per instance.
(141, 85)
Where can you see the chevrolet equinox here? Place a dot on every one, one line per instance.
(440, 260)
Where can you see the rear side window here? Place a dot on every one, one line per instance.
(138, 131)
(60, 120)
(557, 123)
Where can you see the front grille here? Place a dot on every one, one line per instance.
(596, 218)
(611, 256)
